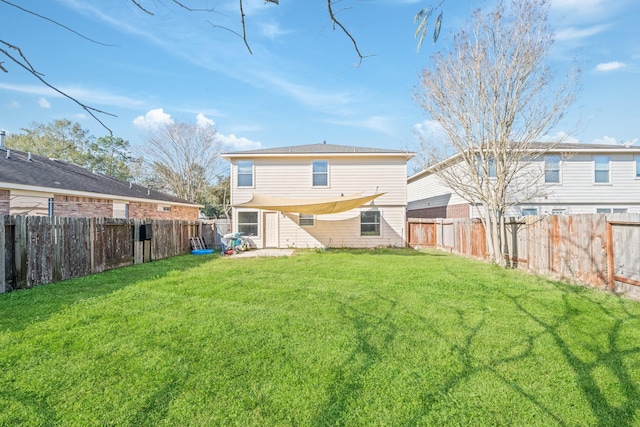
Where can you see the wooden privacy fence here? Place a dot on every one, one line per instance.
(596, 250)
(38, 250)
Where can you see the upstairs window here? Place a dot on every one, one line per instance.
(601, 165)
(492, 171)
(637, 166)
(529, 211)
(320, 173)
(551, 168)
(245, 173)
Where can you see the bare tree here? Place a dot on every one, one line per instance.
(495, 98)
(185, 159)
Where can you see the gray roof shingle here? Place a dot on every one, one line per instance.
(41, 171)
(319, 149)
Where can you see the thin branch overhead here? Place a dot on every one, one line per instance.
(23, 62)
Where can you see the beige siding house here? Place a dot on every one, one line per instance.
(320, 195)
(574, 179)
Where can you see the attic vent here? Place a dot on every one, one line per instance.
(29, 156)
(8, 153)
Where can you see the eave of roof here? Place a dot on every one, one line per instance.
(329, 150)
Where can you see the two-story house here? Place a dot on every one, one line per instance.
(573, 179)
(320, 195)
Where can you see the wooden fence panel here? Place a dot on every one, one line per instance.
(597, 250)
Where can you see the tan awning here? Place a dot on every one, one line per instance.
(308, 206)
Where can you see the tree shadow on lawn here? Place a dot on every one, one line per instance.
(610, 357)
(373, 335)
(23, 307)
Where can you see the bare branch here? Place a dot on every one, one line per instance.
(24, 63)
(244, 29)
(55, 22)
(339, 24)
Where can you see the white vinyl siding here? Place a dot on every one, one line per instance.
(577, 193)
(343, 230)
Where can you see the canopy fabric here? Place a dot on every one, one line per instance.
(308, 206)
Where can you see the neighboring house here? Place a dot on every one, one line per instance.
(320, 195)
(36, 185)
(574, 179)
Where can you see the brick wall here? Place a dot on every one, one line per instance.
(82, 207)
(5, 197)
(150, 210)
(450, 211)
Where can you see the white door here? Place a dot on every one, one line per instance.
(271, 230)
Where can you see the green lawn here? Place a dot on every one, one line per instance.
(385, 337)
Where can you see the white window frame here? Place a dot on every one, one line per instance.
(378, 223)
(558, 211)
(307, 220)
(529, 211)
(252, 174)
(548, 169)
(598, 160)
(314, 173)
(492, 167)
(256, 224)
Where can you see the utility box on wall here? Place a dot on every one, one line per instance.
(146, 232)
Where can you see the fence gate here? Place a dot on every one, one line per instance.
(422, 232)
(623, 256)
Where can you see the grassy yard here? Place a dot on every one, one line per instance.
(388, 337)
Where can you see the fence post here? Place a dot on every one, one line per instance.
(3, 271)
(610, 262)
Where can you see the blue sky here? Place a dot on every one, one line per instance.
(301, 85)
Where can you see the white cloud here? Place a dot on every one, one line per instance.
(43, 103)
(234, 143)
(560, 137)
(429, 130)
(573, 33)
(605, 140)
(273, 30)
(14, 104)
(203, 121)
(152, 119)
(610, 66)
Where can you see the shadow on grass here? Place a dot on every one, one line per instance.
(610, 356)
(373, 334)
(607, 356)
(23, 307)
